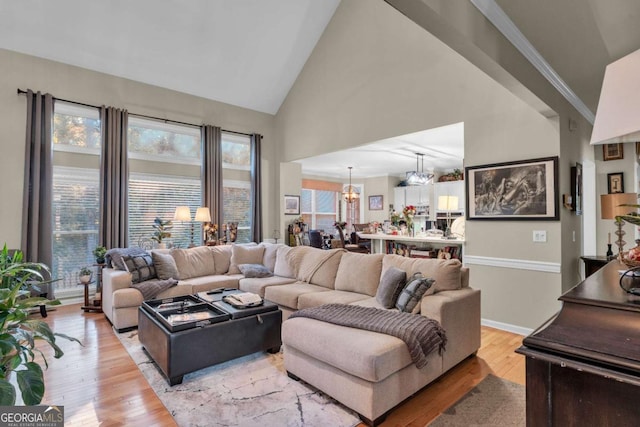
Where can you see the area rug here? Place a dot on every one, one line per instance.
(493, 402)
(249, 391)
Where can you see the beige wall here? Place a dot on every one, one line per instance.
(376, 74)
(77, 84)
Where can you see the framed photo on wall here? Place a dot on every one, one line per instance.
(612, 152)
(519, 190)
(615, 182)
(576, 188)
(291, 205)
(375, 203)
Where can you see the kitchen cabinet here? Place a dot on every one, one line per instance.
(416, 195)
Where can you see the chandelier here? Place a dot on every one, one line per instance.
(419, 177)
(349, 192)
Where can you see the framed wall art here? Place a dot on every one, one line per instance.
(612, 152)
(291, 205)
(615, 182)
(576, 188)
(375, 203)
(519, 190)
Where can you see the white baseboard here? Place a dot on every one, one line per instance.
(506, 327)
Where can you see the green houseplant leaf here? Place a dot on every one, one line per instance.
(19, 332)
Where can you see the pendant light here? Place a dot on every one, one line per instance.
(349, 192)
(418, 177)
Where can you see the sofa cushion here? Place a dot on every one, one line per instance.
(446, 273)
(242, 254)
(315, 299)
(410, 297)
(258, 285)
(371, 302)
(221, 258)
(193, 262)
(391, 284)
(206, 283)
(369, 355)
(282, 266)
(113, 257)
(254, 270)
(270, 254)
(140, 266)
(316, 266)
(359, 273)
(287, 295)
(165, 265)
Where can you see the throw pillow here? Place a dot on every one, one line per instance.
(245, 254)
(391, 284)
(113, 257)
(165, 265)
(140, 266)
(254, 270)
(412, 293)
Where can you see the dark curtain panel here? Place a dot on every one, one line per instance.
(114, 178)
(256, 185)
(212, 172)
(37, 243)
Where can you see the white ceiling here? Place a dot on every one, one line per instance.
(443, 150)
(241, 52)
(249, 53)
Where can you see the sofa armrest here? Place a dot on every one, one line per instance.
(459, 314)
(112, 280)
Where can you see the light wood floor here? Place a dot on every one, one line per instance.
(99, 384)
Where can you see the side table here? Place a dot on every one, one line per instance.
(87, 305)
(96, 304)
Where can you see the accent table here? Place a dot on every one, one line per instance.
(88, 307)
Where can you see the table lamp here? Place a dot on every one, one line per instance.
(610, 206)
(183, 213)
(202, 215)
(448, 204)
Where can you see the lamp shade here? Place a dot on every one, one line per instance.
(618, 115)
(610, 204)
(447, 203)
(183, 213)
(203, 215)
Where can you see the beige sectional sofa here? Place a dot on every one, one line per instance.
(368, 372)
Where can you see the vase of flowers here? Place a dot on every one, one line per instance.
(409, 212)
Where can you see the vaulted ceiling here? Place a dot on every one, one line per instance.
(250, 52)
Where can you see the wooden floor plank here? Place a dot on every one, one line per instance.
(99, 384)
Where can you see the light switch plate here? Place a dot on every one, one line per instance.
(540, 236)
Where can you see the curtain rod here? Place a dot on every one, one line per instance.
(24, 92)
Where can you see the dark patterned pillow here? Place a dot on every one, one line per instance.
(113, 257)
(412, 293)
(140, 266)
(391, 284)
(254, 270)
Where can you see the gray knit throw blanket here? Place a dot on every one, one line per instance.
(421, 334)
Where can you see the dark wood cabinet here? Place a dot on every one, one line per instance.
(583, 365)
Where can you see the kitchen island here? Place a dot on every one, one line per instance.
(416, 245)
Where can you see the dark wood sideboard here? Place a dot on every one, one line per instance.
(593, 263)
(583, 365)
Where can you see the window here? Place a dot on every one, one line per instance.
(76, 163)
(165, 172)
(236, 177)
(319, 209)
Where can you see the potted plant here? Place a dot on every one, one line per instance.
(99, 252)
(162, 231)
(85, 275)
(19, 332)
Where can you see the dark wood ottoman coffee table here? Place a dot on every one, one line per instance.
(177, 353)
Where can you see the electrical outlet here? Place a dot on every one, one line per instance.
(540, 236)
